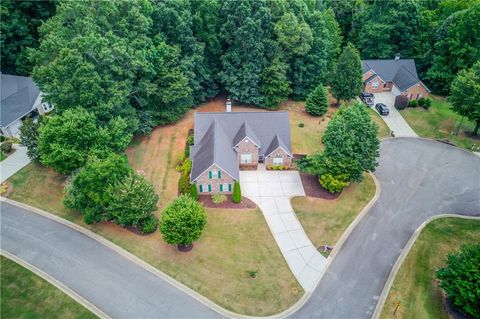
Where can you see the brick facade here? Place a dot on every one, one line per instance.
(279, 152)
(368, 87)
(205, 179)
(415, 92)
(247, 147)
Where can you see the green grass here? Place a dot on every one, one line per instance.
(383, 130)
(25, 295)
(439, 122)
(415, 286)
(234, 242)
(2, 156)
(325, 220)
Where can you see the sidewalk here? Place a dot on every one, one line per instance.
(14, 162)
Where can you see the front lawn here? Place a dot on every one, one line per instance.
(439, 122)
(25, 295)
(325, 220)
(415, 288)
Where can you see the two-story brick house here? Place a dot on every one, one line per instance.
(226, 142)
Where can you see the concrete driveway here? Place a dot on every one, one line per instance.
(15, 162)
(272, 191)
(419, 179)
(394, 120)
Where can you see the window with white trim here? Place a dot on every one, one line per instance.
(225, 187)
(375, 84)
(246, 158)
(214, 174)
(277, 161)
(205, 188)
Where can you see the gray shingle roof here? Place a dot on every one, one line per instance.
(246, 131)
(215, 133)
(18, 94)
(277, 142)
(402, 72)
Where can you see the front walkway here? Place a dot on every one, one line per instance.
(394, 120)
(272, 191)
(15, 162)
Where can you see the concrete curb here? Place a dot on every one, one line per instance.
(206, 302)
(72, 294)
(403, 255)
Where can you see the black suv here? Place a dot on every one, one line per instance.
(367, 98)
(382, 109)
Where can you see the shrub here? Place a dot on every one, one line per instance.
(150, 225)
(334, 184)
(190, 138)
(237, 193)
(428, 103)
(194, 191)
(317, 101)
(131, 201)
(413, 103)
(182, 221)
(421, 101)
(6, 147)
(301, 125)
(2, 138)
(401, 102)
(460, 279)
(184, 181)
(219, 198)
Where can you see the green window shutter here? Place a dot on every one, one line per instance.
(219, 175)
(209, 187)
(210, 174)
(229, 187)
(201, 188)
(221, 187)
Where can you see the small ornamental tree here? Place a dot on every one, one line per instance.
(317, 101)
(237, 193)
(460, 279)
(401, 102)
(132, 202)
(183, 221)
(29, 137)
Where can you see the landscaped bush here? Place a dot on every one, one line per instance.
(150, 225)
(184, 186)
(183, 221)
(219, 198)
(237, 193)
(194, 191)
(401, 102)
(6, 147)
(413, 103)
(428, 103)
(421, 101)
(460, 279)
(132, 202)
(301, 125)
(317, 101)
(189, 142)
(2, 138)
(334, 184)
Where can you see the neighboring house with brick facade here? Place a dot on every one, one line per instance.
(226, 142)
(398, 76)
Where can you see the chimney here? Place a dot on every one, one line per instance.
(229, 105)
(397, 56)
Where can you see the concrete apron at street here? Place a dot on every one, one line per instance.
(272, 191)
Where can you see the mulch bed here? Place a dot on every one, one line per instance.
(312, 187)
(206, 200)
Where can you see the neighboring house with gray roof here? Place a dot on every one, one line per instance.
(20, 97)
(398, 76)
(226, 142)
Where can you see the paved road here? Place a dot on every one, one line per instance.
(14, 162)
(117, 286)
(419, 179)
(272, 191)
(394, 120)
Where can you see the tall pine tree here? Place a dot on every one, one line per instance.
(347, 81)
